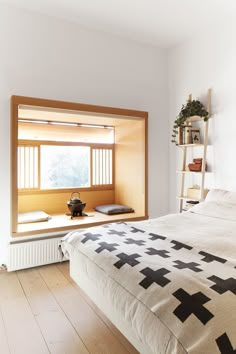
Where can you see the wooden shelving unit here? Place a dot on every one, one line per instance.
(185, 148)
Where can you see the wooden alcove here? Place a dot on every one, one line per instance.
(130, 167)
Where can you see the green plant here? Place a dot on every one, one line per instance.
(191, 108)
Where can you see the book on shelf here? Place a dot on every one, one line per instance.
(188, 135)
(180, 136)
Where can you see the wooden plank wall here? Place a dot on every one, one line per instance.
(54, 203)
(130, 184)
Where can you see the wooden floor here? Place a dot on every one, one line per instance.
(43, 311)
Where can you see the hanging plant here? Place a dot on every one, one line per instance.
(191, 108)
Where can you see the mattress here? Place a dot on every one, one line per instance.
(169, 284)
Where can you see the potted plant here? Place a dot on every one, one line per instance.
(190, 109)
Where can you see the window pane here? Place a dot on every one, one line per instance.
(27, 170)
(102, 166)
(65, 166)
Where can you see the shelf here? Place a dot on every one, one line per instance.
(190, 145)
(195, 119)
(186, 197)
(202, 128)
(199, 172)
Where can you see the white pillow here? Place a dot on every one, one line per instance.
(220, 195)
(215, 209)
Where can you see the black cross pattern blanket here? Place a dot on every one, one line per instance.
(180, 268)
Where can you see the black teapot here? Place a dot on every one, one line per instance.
(75, 205)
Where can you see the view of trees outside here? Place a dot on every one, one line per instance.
(65, 166)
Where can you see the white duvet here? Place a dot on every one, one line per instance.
(178, 292)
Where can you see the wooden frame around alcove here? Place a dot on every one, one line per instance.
(124, 115)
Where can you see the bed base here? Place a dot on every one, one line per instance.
(101, 302)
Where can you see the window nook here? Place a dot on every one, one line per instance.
(62, 147)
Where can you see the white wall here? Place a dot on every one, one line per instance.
(208, 61)
(48, 58)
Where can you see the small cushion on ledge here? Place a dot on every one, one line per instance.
(33, 216)
(113, 209)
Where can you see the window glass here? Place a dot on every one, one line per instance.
(27, 167)
(64, 166)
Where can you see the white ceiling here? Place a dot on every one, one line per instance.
(164, 23)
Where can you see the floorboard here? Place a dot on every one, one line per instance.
(22, 331)
(3, 337)
(43, 311)
(97, 337)
(57, 331)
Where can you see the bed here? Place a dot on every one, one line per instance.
(168, 284)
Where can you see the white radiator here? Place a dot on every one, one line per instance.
(32, 253)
